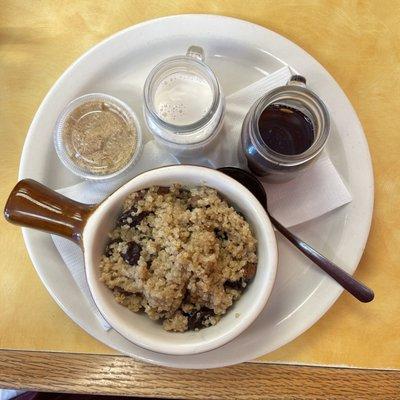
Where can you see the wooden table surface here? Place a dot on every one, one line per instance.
(358, 42)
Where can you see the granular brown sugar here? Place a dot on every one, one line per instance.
(98, 138)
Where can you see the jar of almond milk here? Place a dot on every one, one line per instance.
(183, 104)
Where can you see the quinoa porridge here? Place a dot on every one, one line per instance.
(181, 255)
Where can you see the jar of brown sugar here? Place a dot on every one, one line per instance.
(97, 137)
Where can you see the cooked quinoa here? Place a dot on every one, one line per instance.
(181, 255)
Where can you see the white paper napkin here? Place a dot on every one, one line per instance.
(317, 191)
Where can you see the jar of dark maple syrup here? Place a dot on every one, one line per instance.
(284, 131)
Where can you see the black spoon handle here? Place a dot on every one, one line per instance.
(357, 289)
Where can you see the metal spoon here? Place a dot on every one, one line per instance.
(356, 288)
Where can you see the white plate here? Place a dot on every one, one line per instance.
(240, 53)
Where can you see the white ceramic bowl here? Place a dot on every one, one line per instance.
(34, 205)
(138, 328)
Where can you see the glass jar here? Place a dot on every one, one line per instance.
(183, 104)
(261, 159)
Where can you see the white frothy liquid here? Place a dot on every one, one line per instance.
(183, 98)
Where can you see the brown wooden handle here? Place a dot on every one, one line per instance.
(356, 288)
(34, 205)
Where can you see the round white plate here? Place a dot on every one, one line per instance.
(240, 53)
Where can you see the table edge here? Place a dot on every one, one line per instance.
(121, 375)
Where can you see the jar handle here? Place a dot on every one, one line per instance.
(297, 80)
(196, 52)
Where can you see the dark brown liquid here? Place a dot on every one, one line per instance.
(286, 130)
